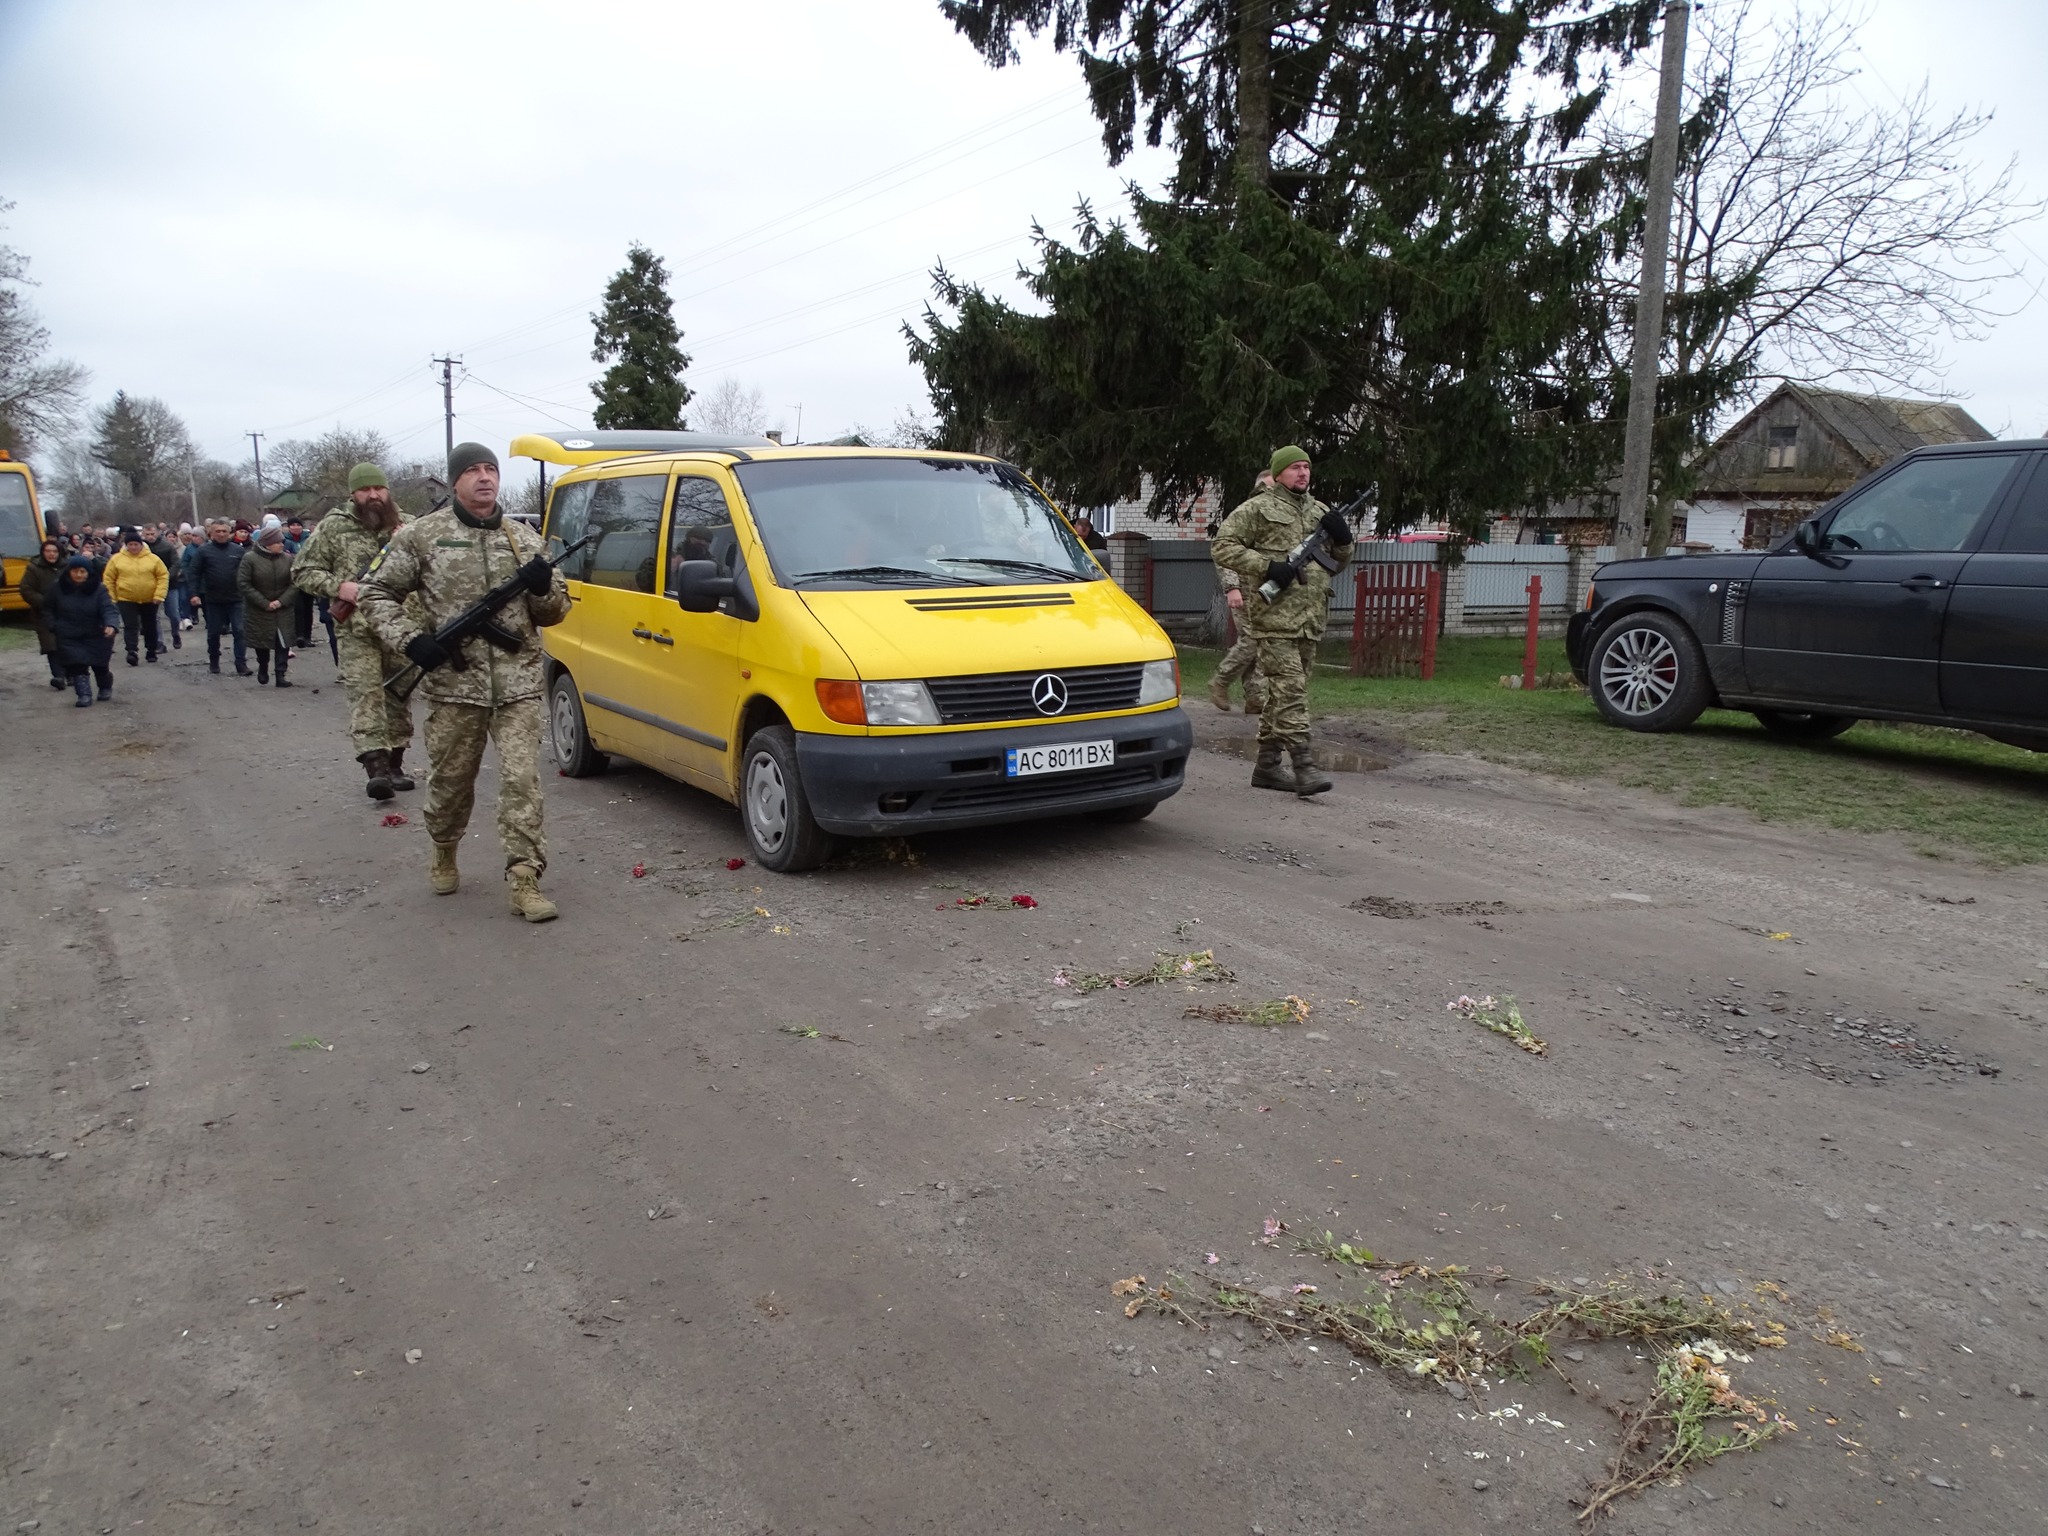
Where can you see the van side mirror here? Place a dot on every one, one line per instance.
(699, 588)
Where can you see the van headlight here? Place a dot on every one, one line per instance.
(1160, 683)
(899, 704)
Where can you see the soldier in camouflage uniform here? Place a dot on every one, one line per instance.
(1242, 659)
(450, 558)
(330, 564)
(1255, 541)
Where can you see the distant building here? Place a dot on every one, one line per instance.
(1799, 448)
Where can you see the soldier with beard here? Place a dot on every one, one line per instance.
(330, 564)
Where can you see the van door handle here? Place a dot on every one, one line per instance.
(664, 639)
(1923, 583)
(643, 634)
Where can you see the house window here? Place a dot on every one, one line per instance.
(1782, 449)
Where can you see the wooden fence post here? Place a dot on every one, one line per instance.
(1535, 617)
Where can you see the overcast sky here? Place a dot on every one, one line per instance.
(272, 216)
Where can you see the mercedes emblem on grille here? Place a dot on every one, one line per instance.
(1049, 694)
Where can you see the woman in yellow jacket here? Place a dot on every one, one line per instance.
(138, 582)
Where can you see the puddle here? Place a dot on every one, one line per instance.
(1390, 906)
(1343, 759)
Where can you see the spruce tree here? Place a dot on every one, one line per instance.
(644, 387)
(138, 439)
(1380, 241)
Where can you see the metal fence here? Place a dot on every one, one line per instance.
(1497, 575)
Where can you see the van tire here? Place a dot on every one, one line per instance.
(1803, 725)
(574, 754)
(1647, 673)
(774, 809)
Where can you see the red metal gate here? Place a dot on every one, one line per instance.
(1394, 625)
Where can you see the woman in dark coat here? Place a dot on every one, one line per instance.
(36, 580)
(264, 580)
(83, 621)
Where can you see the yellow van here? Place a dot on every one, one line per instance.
(21, 528)
(848, 641)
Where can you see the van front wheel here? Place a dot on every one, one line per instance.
(574, 754)
(777, 813)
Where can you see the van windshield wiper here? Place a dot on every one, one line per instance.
(1029, 567)
(878, 573)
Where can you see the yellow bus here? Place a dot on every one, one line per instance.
(21, 528)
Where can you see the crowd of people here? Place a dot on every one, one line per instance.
(148, 584)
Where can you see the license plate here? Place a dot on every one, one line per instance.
(1065, 757)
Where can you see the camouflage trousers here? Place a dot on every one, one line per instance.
(456, 734)
(1242, 660)
(377, 719)
(1286, 664)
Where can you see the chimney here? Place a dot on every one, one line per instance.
(774, 435)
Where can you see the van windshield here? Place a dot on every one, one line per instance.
(18, 533)
(865, 523)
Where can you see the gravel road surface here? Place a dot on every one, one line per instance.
(329, 1203)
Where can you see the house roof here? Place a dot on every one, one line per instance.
(1878, 429)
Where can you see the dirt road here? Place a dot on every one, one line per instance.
(671, 1267)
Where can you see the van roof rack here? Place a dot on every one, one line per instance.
(592, 447)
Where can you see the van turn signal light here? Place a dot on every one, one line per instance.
(842, 701)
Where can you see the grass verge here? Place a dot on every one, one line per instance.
(1944, 792)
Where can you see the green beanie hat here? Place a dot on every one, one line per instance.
(365, 477)
(1282, 457)
(467, 456)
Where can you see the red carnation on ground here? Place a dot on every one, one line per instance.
(394, 820)
(1023, 901)
(735, 863)
(639, 871)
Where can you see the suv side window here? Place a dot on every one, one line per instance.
(1930, 506)
(701, 528)
(2027, 533)
(626, 513)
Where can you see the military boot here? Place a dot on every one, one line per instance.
(1267, 773)
(400, 779)
(523, 888)
(1308, 778)
(442, 874)
(377, 768)
(1219, 694)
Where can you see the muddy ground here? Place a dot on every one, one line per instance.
(670, 1267)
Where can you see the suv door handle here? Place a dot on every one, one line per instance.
(663, 639)
(1923, 583)
(648, 634)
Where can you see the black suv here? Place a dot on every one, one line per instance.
(1919, 594)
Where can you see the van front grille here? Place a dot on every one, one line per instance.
(1012, 695)
(1044, 788)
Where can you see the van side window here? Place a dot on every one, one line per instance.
(2027, 533)
(568, 516)
(701, 528)
(626, 514)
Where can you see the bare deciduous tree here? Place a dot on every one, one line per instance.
(1814, 236)
(322, 463)
(39, 400)
(729, 407)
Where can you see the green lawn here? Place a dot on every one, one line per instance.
(1942, 792)
(16, 633)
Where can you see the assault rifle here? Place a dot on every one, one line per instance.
(1315, 548)
(479, 621)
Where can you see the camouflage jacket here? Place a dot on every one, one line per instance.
(339, 549)
(1256, 534)
(450, 565)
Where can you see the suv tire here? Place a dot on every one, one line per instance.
(1803, 725)
(1647, 673)
(574, 754)
(774, 809)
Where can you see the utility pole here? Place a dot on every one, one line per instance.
(1631, 513)
(799, 421)
(256, 444)
(448, 398)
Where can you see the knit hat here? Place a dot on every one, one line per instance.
(131, 535)
(364, 477)
(270, 532)
(1282, 457)
(467, 456)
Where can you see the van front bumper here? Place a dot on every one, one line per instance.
(894, 786)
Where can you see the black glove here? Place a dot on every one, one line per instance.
(1281, 574)
(538, 575)
(1335, 529)
(426, 652)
